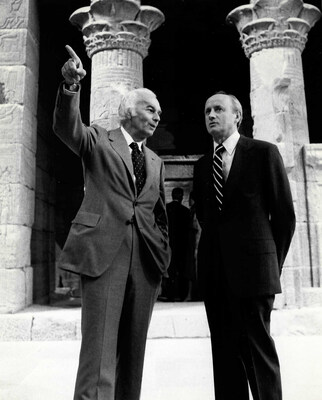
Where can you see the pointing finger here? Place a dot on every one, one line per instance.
(73, 55)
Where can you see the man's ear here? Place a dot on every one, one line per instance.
(128, 114)
(238, 118)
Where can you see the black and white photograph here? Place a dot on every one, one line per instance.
(160, 200)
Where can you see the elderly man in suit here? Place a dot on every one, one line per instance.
(245, 208)
(118, 241)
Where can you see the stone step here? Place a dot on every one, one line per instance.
(311, 297)
(169, 320)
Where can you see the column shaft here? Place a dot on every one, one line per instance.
(273, 35)
(114, 72)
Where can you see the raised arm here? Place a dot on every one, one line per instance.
(67, 122)
(73, 71)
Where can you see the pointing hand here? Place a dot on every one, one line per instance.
(73, 70)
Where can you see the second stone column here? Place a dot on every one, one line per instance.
(273, 35)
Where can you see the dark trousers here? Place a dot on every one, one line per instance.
(243, 350)
(116, 312)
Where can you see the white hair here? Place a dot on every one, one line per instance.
(130, 99)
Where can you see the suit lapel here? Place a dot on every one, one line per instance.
(150, 167)
(119, 144)
(207, 174)
(240, 158)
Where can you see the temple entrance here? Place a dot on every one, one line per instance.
(192, 55)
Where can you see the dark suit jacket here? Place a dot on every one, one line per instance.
(253, 232)
(110, 202)
(179, 220)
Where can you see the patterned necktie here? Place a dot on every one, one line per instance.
(138, 166)
(218, 175)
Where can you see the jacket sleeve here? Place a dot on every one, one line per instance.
(160, 207)
(68, 125)
(280, 203)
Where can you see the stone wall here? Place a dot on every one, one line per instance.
(43, 232)
(18, 107)
(312, 277)
(179, 173)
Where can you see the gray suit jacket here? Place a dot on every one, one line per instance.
(110, 201)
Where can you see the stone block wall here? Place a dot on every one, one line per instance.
(18, 109)
(43, 232)
(312, 155)
(179, 173)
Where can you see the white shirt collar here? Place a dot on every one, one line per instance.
(230, 143)
(129, 138)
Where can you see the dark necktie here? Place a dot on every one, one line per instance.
(218, 175)
(138, 166)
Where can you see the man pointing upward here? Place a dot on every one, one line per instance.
(118, 241)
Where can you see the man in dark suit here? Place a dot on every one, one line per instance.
(177, 285)
(245, 208)
(118, 241)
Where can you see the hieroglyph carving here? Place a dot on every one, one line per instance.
(9, 41)
(9, 14)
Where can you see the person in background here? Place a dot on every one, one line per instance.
(176, 286)
(118, 241)
(245, 209)
(192, 258)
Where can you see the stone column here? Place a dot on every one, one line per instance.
(273, 35)
(313, 175)
(117, 37)
(18, 107)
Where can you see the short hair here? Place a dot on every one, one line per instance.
(130, 99)
(177, 193)
(236, 106)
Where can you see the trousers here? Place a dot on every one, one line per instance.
(243, 350)
(116, 312)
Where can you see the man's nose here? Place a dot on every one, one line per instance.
(156, 117)
(212, 114)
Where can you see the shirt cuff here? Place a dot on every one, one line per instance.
(71, 88)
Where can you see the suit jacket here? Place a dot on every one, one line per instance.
(249, 239)
(110, 201)
(179, 220)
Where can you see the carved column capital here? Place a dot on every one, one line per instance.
(115, 24)
(266, 24)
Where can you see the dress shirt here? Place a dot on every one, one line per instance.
(130, 140)
(229, 152)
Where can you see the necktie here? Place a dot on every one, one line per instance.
(218, 175)
(138, 166)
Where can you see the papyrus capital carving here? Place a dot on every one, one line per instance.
(266, 24)
(112, 24)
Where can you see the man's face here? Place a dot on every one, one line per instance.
(221, 120)
(145, 117)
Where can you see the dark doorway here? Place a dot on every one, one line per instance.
(193, 54)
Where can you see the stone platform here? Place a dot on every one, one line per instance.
(169, 320)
